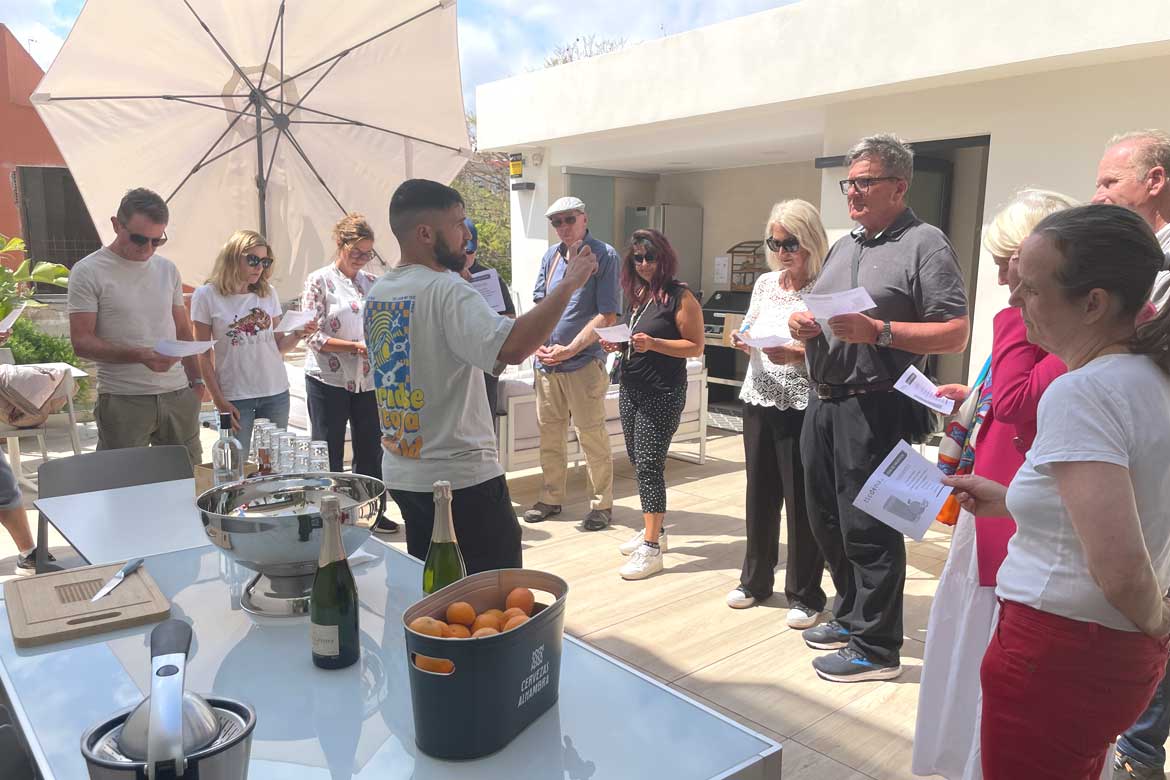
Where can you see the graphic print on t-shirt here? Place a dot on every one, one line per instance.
(250, 324)
(387, 330)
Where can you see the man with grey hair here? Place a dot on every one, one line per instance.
(854, 416)
(570, 377)
(1132, 173)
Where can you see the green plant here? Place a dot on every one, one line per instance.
(20, 284)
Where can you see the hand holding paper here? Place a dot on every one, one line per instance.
(828, 305)
(905, 492)
(615, 334)
(765, 342)
(295, 320)
(182, 349)
(914, 384)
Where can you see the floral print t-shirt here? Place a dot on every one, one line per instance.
(247, 361)
(338, 301)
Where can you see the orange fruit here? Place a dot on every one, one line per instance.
(519, 620)
(428, 664)
(461, 612)
(487, 631)
(498, 614)
(521, 598)
(487, 620)
(428, 626)
(456, 631)
(513, 612)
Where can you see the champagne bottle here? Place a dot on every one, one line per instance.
(333, 605)
(444, 563)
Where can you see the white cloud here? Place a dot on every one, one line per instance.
(37, 25)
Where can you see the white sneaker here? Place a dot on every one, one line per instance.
(643, 562)
(740, 599)
(802, 617)
(634, 542)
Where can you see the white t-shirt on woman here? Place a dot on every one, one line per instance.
(247, 361)
(1115, 409)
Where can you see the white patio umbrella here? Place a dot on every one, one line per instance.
(261, 114)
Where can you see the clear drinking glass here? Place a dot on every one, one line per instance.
(302, 463)
(286, 452)
(318, 464)
(319, 449)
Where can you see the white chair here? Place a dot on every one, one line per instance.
(66, 419)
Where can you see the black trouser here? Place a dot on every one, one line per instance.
(649, 420)
(775, 479)
(842, 442)
(485, 524)
(330, 408)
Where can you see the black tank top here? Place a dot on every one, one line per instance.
(654, 370)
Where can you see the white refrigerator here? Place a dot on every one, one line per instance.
(683, 227)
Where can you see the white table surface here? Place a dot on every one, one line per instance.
(110, 526)
(312, 724)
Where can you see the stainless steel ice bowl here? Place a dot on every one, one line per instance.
(272, 525)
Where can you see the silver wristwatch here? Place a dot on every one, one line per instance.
(886, 337)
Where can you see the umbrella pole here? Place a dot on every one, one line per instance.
(261, 182)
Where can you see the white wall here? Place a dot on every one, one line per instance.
(831, 50)
(736, 202)
(1047, 130)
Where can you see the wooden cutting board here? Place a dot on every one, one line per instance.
(56, 606)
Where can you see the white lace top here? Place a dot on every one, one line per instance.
(766, 383)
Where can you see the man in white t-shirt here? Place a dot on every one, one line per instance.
(123, 299)
(431, 337)
(1132, 173)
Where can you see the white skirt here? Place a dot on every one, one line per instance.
(962, 618)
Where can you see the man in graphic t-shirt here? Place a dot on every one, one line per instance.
(431, 337)
(123, 299)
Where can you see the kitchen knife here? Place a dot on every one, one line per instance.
(116, 580)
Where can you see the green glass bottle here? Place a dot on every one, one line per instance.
(333, 605)
(444, 563)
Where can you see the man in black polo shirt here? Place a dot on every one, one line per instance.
(854, 416)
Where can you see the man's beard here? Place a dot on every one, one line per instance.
(449, 258)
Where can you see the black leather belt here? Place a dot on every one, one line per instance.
(837, 392)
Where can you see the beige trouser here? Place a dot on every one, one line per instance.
(141, 420)
(581, 395)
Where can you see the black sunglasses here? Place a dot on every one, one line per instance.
(140, 240)
(254, 260)
(789, 245)
(646, 258)
(556, 222)
(864, 183)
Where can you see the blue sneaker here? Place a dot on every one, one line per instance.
(848, 665)
(826, 636)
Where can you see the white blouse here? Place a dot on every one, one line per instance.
(766, 383)
(338, 302)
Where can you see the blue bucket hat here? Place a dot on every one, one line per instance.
(473, 244)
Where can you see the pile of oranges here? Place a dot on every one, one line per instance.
(463, 623)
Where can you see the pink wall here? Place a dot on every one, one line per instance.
(24, 140)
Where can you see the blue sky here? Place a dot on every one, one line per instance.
(497, 38)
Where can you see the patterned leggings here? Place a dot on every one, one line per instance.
(649, 420)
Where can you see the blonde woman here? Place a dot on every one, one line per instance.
(775, 394)
(238, 308)
(962, 614)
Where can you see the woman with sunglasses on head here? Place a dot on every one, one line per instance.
(775, 394)
(239, 309)
(666, 327)
(338, 383)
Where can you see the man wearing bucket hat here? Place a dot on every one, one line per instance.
(570, 376)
